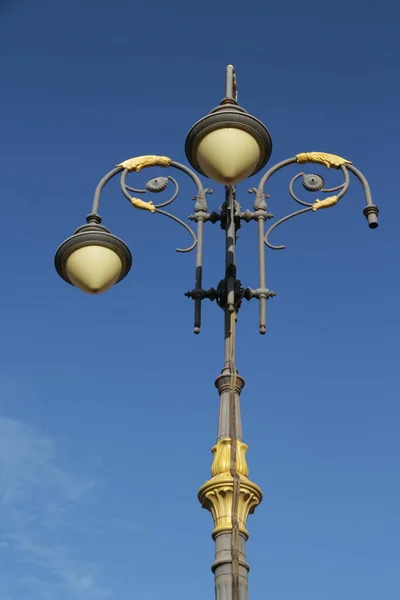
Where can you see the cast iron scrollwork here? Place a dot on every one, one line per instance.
(159, 184)
(155, 185)
(313, 182)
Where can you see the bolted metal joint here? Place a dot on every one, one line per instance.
(223, 218)
(213, 217)
(254, 216)
(222, 294)
(249, 294)
(200, 294)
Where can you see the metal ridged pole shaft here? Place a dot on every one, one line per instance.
(230, 567)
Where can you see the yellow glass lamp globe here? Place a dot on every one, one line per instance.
(228, 155)
(93, 269)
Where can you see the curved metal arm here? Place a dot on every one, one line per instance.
(283, 220)
(154, 185)
(157, 185)
(328, 161)
(100, 187)
(371, 211)
(312, 183)
(330, 201)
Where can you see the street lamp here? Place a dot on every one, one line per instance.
(228, 146)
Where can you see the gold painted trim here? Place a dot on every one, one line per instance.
(138, 203)
(222, 458)
(216, 495)
(142, 162)
(331, 201)
(323, 158)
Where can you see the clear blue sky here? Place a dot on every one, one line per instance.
(108, 409)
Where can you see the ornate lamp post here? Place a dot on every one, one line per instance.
(228, 146)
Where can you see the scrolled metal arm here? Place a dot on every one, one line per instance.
(137, 164)
(156, 185)
(312, 183)
(318, 204)
(156, 208)
(329, 161)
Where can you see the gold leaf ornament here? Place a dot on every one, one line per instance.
(217, 494)
(323, 158)
(142, 162)
(326, 203)
(142, 205)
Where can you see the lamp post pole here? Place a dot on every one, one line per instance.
(228, 146)
(222, 494)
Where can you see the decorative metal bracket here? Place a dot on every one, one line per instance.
(315, 183)
(220, 295)
(311, 183)
(155, 186)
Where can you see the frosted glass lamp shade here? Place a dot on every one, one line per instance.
(93, 269)
(228, 155)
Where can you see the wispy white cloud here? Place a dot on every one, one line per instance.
(36, 497)
(57, 574)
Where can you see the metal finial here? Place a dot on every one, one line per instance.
(230, 83)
